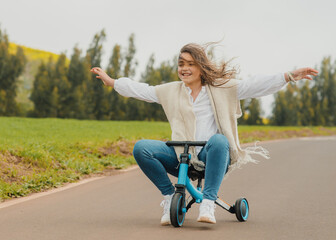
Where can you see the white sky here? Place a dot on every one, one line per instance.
(265, 36)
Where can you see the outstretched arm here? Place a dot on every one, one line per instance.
(263, 85)
(128, 88)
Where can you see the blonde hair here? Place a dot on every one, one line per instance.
(210, 72)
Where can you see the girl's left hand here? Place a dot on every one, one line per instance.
(103, 76)
(304, 73)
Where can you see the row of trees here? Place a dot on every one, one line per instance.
(71, 91)
(66, 88)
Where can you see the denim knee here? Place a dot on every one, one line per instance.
(139, 149)
(219, 140)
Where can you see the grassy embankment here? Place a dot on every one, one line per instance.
(38, 154)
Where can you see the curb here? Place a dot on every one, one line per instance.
(11, 202)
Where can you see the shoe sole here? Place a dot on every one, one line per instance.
(205, 220)
(165, 223)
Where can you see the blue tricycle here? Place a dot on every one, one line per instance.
(179, 207)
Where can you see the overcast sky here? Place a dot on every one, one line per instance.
(265, 36)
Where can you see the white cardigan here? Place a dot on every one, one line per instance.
(225, 105)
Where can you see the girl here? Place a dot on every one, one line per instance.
(203, 106)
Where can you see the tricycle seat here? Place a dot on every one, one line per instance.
(194, 174)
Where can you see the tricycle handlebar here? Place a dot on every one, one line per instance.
(184, 143)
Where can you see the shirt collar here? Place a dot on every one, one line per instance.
(189, 89)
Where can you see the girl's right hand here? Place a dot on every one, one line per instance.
(103, 76)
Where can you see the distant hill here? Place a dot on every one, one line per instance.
(34, 59)
(33, 54)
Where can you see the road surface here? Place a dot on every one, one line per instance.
(291, 196)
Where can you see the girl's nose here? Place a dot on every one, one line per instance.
(185, 68)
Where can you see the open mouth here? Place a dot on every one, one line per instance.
(186, 74)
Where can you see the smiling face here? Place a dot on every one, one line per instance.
(188, 70)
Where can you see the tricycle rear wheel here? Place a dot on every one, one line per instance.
(242, 209)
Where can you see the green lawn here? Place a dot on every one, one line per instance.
(38, 154)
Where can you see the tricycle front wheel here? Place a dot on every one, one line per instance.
(177, 210)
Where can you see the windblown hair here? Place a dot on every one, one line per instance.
(210, 72)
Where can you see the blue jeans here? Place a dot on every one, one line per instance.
(156, 159)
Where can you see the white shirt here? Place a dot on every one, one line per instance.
(257, 86)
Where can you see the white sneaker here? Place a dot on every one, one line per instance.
(165, 220)
(207, 212)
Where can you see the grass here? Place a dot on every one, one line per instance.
(265, 133)
(38, 154)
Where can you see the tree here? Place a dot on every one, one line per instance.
(115, 63)
(254, 111)
(292, 109)
(286, 107)
(95, 91)
(78, 77)
(166, 72)
(134, 109)
(130, 62)
(242, 119)
(11, 66)
(76, 69)
(317, 120)
(279, 109)
(332, 97)
(63, 87)
(330, 93)
(324, 94)
(44, 94)
(152, 77)
(116, 101)
(320, 88)
(305, 109)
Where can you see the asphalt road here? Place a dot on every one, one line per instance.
(291, 196)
